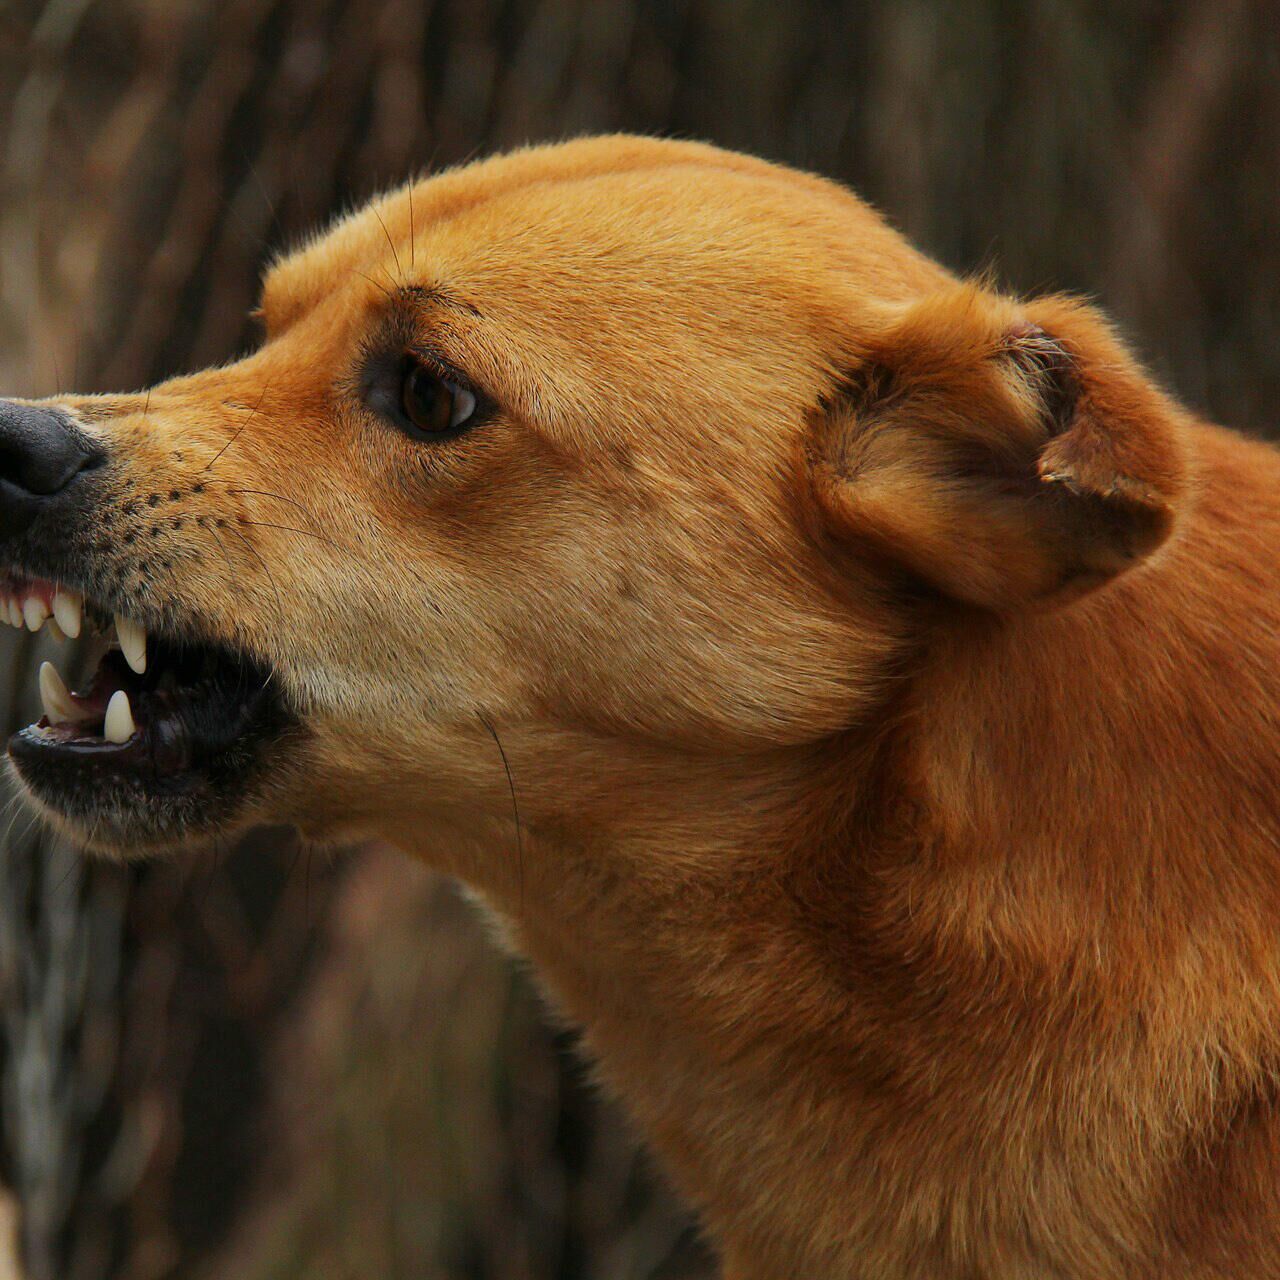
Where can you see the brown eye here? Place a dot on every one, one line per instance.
(433, 404)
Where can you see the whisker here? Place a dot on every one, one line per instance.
(390, 242)
(266, 493)
(235, 579)
(11, 807)
(288, 528)
(231, 569)
(72, 867)
(266, 195)
(515, 807)
(208, 465)
(391, 297)
(16, 809)
(412, 233)
(340, 546)
(266, 568)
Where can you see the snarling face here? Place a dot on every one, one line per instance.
(617, 442)
(516, 451)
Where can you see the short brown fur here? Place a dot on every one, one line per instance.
(889, 678)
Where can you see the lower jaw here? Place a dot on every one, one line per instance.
(127, 814)
(126, 818)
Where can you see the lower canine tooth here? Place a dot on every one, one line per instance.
(66, 611)
(54, 697)
(34, 612)
(133, 642)
(118, 725)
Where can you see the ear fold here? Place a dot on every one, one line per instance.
(1005, 454)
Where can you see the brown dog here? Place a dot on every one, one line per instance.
(858, 692)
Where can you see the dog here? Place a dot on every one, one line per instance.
(855, 689)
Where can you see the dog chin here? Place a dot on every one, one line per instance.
(128, 821)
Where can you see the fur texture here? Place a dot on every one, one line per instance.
(889, 677)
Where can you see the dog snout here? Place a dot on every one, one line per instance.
(41, 454)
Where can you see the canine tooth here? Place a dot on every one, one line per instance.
(67, 608)
(34, 612)
(118, 725)
(54, 697)
(133, 642)
(52, 629)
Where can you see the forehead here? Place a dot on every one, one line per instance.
(639, 256)
(618, 216)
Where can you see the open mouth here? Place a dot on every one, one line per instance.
(162, 735)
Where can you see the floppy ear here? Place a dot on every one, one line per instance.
(1006, 454)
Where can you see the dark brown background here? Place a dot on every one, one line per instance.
(269, 1064)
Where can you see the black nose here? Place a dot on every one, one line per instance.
(41, 452)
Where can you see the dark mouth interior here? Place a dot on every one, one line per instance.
(196, 709)
(191, 702)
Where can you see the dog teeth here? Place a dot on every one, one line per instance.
(54, 697)
(118, 726)
(34, 612)
(133, 642)
(67, 611)
(59, 609)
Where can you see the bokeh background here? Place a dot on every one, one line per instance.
(272, 1063)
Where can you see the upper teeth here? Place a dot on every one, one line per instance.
(35, 606)
(67, 610)
(62, 612)
(34, 612)
(133, 642)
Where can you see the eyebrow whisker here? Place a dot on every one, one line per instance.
(382, 288)
(390, 242)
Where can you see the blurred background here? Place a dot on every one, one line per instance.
(277, 1064)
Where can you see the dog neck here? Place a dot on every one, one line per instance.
(770, 950)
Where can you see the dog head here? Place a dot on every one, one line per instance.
(620, 441)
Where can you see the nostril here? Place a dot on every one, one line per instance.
(41, 450)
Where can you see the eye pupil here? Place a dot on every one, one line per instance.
(433, 405)
(428, 400)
